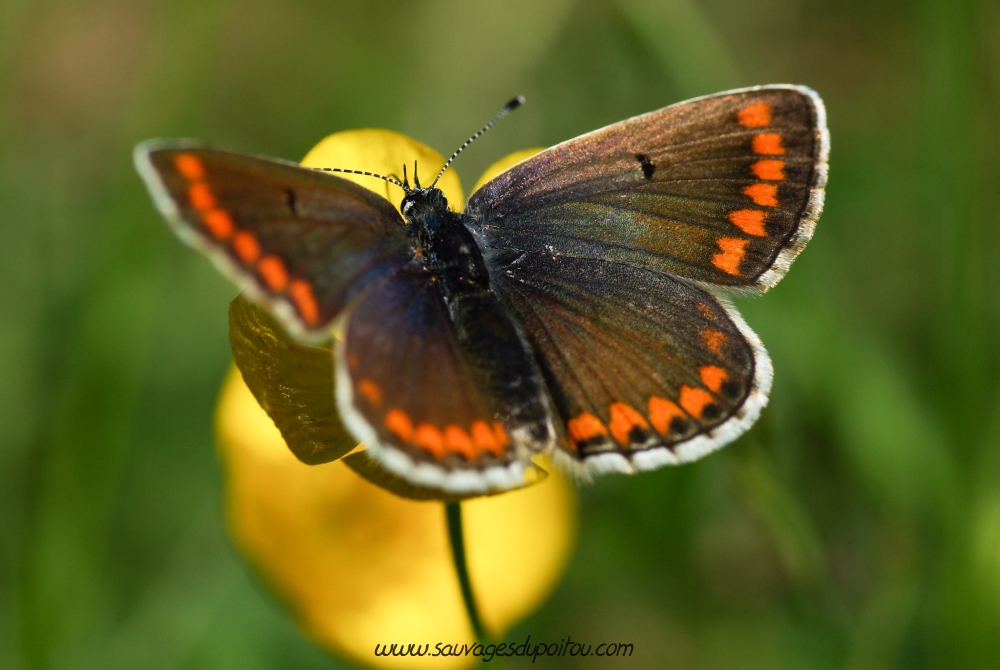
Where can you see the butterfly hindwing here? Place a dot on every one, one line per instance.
(445, 394)
(645, 369)
(724, 189)
(303, 242)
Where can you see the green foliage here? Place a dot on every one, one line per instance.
(857, 526)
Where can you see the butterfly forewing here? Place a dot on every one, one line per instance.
(644, 369)
(303, 242)
(446, 395)
(723, 189)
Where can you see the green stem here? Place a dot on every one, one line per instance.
(454, 513)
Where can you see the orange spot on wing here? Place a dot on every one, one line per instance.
(712, 376)
(768, 144)
(274, 273)
(662, 412)
(769, 169)
(500, 434)
(765, 195)
(246, 247)
(484, 439)
(302, 295)
(399, 424)
(430, 438)
(623, 419)
(713, 339)
(733, 251)
(694, 400)
(750, 221)
(456, 439)
(756, 115)
(219, 223)
(189, 166)
(706, 310)
(200, 196)
(583, 428)
(371, 391)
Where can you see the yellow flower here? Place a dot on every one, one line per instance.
(358, 565)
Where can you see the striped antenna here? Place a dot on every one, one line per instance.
(368, 174)
(509, 107)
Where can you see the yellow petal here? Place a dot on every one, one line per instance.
(360, 566)
(385, 152)
(293, 382)
(505, 536)
(503, 164)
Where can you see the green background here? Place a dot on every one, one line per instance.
(856, 526)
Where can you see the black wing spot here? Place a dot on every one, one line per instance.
(647, 165)
(711, 412)
(642, 437)
(292, 202)
(594, 445)
(732, 389)
(678, 426)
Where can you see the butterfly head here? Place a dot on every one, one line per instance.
(419, 201)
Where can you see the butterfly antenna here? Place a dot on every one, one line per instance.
(398, 183)
(509, 107)
(416, 179)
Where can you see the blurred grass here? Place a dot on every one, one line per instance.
(857, 526)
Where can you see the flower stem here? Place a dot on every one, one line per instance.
(454, 513)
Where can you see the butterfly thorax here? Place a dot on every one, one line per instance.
(445, 247)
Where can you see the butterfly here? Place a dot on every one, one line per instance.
(578, 306)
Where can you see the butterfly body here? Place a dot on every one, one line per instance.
(579, 306)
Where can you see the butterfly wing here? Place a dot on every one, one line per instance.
(724, 189)
(304, 243)
(444, 393)
(644, 369)
(612, 251)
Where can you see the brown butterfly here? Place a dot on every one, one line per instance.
(578, 305)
